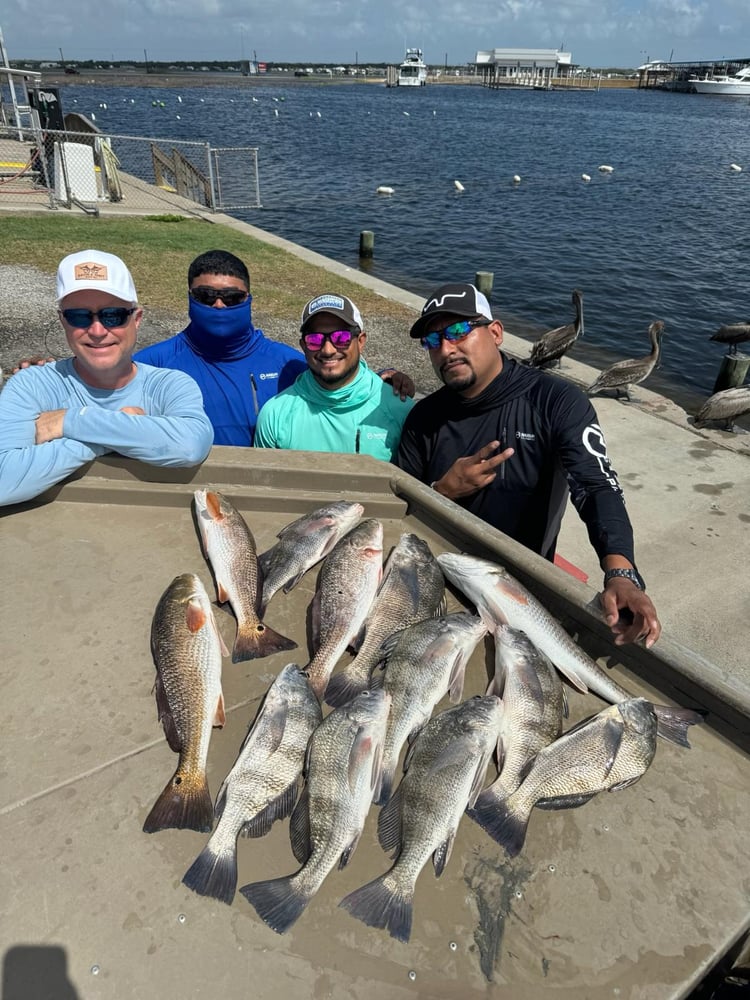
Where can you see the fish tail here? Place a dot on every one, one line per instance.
(506, 826)
(673, 723)
(185, 804)
(213, 873)
(279, 901)
(344, 686)
(256, 639)
(382, 903)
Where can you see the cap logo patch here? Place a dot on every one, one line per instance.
(435, 304)
(325, 302)
(90, 272)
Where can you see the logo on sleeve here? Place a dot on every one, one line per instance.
(594, 443)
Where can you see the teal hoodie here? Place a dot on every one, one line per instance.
(362, 417)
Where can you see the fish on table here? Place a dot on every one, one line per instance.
(422, 663)
(502, 599)
(263, 783)
(187, 650)
(534, 704)
(347, 584)
(411, 590)
(343, 773)
(230, 547)
(444, 773)
(608, 752)
(303, 543)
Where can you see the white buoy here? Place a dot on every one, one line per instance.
(276, 112)
(202, 99)
(585, 177)
(405, 113)
(736, 167)
(516, 178)
(384, 189)
(606, 169)
(93, 117)
(177, 117)
(318, 114)
(458, 186)
(179, 99)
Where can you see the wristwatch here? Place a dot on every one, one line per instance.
(628, 574)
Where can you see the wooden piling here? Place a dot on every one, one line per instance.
(732, 372)
(366, 243)
(484, 281)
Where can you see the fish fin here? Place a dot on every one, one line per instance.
(613, 732)
(344, 686)
(456, 680)
(442, 608)
(565, 704)
(221, 799)
(625, 784)
(219, 715)
(348, 851)
(165, 716)
(256, 640)
(315, 619)
(277, 808)
(389, 824)
(512, 590)
(278, 902)
(213, 506)
(195, 617)
(213, 874)
(377, 680)
(412, 741)
(273, 714)
(299, 828)
(265, 559)
(185, 804)
(566, 801)
(389, 644)
(477, 783)
(574, 679)
(376, 775)
(441, 854)
(383, 792)
(292, 582)
(672, 723)
(381, 904)
(222, 594)
(505, 824)
(356, 641)
(361, 748)
(449, 756)
(485, 812)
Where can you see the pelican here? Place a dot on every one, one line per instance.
(623, 374)
(733, 334)
(554, 343)
(725, 405)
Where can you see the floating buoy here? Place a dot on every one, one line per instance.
(605, 169)
(318, 114)
(585, 177)
(276, 112)
(179, 99)
(458, 185)
(384, 189)
(736, 167)
(516, 178)
(177, 117)
(405, 113)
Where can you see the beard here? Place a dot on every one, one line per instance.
(340, 378)
(458, 377)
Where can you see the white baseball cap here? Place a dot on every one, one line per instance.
(95, 269)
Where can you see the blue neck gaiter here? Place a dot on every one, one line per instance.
(221, 334)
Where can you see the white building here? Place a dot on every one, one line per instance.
(529, 67)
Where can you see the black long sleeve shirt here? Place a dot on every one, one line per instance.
(559, 449)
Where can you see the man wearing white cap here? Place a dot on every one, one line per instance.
(338, 404)
(508, 443)
(56, 417)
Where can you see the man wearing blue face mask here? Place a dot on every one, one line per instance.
(236, 366)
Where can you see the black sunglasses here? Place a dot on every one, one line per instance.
(109, 317)
(208, 296)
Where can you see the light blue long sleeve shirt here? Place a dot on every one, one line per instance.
(174, 432)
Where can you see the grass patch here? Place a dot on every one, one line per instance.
(158, 254)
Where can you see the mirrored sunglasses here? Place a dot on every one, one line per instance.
(339, 338)
(109, 317)
(208, 296)
(452, 333)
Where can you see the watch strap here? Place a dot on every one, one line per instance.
(628, 574)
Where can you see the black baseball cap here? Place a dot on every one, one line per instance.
(456, 299)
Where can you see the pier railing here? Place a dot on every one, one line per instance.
(87, 169)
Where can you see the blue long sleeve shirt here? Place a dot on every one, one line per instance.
(174, 432)
(236, 377)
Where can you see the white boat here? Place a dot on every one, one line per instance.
(736, 86)
(413, 70)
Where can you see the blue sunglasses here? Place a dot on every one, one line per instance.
(452, 333)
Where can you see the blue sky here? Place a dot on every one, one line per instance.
(597, 32)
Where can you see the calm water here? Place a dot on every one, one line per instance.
(665, 236)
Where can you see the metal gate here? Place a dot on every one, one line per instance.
(235, 177)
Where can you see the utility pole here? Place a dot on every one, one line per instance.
(145, 59)
(62, 58)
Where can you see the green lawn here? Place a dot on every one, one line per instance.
(158, 253)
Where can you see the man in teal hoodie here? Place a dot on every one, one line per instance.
(338, 404)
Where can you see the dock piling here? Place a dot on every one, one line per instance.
(366, 243)
(484, 281)
(732, 372)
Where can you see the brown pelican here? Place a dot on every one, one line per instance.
(725, 405)
(732, 333)
(554, 343)
(623, 374)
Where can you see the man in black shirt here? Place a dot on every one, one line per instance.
(508, 443)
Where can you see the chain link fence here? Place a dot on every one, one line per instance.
(128, 173)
